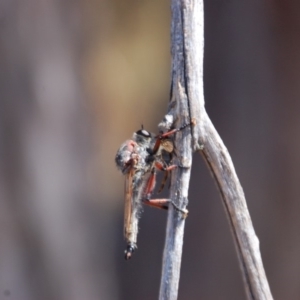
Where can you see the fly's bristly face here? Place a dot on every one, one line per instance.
(126, 156)
(134, 152)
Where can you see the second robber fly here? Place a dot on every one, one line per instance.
(139, 159)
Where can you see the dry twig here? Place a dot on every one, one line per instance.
(187, 102)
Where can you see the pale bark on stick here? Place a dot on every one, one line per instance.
(187, 103)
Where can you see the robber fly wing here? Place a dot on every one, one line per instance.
(135, 186)
(128, 203)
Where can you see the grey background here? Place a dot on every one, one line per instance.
(76, 79)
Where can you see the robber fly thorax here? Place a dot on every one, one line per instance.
(138, 159)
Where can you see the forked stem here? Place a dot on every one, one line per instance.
(187, 101)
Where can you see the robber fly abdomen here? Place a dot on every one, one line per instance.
(138, 159)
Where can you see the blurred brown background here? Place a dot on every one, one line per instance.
(77, 78)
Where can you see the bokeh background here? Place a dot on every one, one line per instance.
(77, 78)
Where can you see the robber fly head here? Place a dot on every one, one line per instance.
(133, 153)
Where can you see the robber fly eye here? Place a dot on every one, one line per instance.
(143, 132)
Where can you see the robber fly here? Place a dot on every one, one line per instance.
(139, 159)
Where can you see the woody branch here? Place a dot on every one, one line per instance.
(187, 102)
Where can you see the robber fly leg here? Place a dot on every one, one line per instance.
(157, 203)
(163, 182)
(150, 184)
(184, 211)
(152, 179)
(162, 167)
(172, 131)
(163, 137)
(167, 169)
(164, 204)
